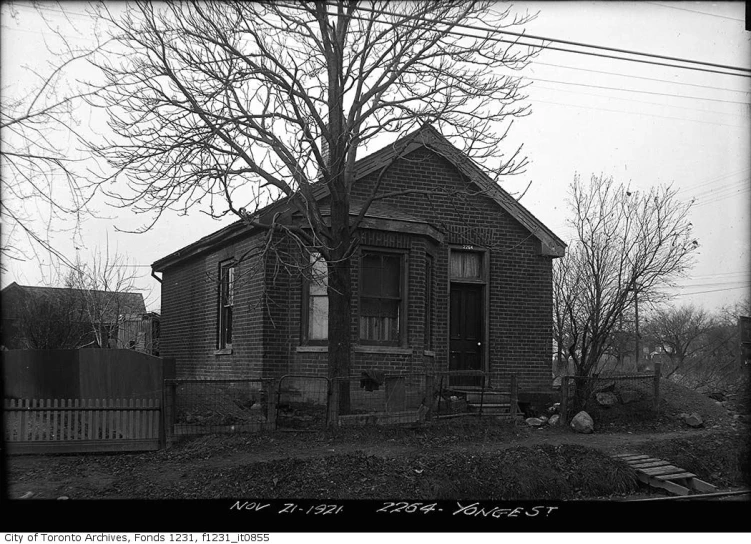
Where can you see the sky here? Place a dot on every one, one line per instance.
(640, 123)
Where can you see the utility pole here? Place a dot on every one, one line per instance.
(636, 315)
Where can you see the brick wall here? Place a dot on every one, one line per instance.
(190, 310)
(267, 323)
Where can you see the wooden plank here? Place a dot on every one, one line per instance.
(130, 433)
(98, 426)
(622, 455)
(24, 421)
(650, 464)
(670, 469)
(701, 485)
(633, 457)
(666, 485)
(678, 476)
(81, 446)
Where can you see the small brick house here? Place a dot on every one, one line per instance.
(461, 279)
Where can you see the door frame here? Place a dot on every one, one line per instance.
(484, 281)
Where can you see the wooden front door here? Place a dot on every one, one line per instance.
(466, 336)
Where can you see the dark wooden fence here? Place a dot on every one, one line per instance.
(84, 374)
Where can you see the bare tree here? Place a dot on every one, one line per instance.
(107, 289)
(234, 104)
(40, 173)
(51, 319)
(679, 331)
(628, 247)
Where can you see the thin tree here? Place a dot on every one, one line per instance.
(105, 286)
(679, 331)
(628, 247)
(230, 105)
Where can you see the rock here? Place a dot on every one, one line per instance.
(606, 399)
(582, 423)
(534, 422)
(606, 387)
(554, 420)
(63, 498)
(628, 396)
(544, 419)
(694, 420)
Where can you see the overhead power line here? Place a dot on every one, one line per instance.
(518, 35)
(744, 103)
(538, 63)
(697, 12)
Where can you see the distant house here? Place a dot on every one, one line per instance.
(461, 280)
(58, 317)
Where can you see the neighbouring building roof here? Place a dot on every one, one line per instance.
(117, 303)
(425, 136)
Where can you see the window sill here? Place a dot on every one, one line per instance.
(383, 349)
(359, 349)
(225, 351)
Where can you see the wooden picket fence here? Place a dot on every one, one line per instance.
(82, 425)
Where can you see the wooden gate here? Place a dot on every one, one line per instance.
(77, 426)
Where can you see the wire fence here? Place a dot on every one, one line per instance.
(309, 402)
(217, 406)
(302, 402)
(608, 398)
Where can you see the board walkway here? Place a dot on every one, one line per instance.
(658, 473)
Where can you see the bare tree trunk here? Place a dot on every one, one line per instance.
(340, 295)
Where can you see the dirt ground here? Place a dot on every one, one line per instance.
(210, 466)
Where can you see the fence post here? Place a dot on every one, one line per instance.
(270, 392)
(169, 373)
(658, 373)
(332, 414)
(168, 412)
(564, 398)
(428, 396)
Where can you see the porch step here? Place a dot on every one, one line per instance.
(491, 408)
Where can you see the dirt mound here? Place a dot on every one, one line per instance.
(677, 399)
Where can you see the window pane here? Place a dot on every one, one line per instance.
(379, 319)
(228, 326)
(371, 274)
(319, 272)
(391, 280)
(466, 265)
(318, 318)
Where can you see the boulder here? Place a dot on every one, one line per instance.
(582, 423)
(554, 420)
(544, 419)
(534, 422)
(628, 396)
(605, 386)
(694, 420)
(606, 399)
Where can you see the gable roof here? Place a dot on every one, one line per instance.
(124, 303)
(425, 136)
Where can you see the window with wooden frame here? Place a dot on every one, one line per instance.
(382, 308)
(428, 302)
(315, 322)
(226, 303)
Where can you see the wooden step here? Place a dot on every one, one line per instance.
(659, 473)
